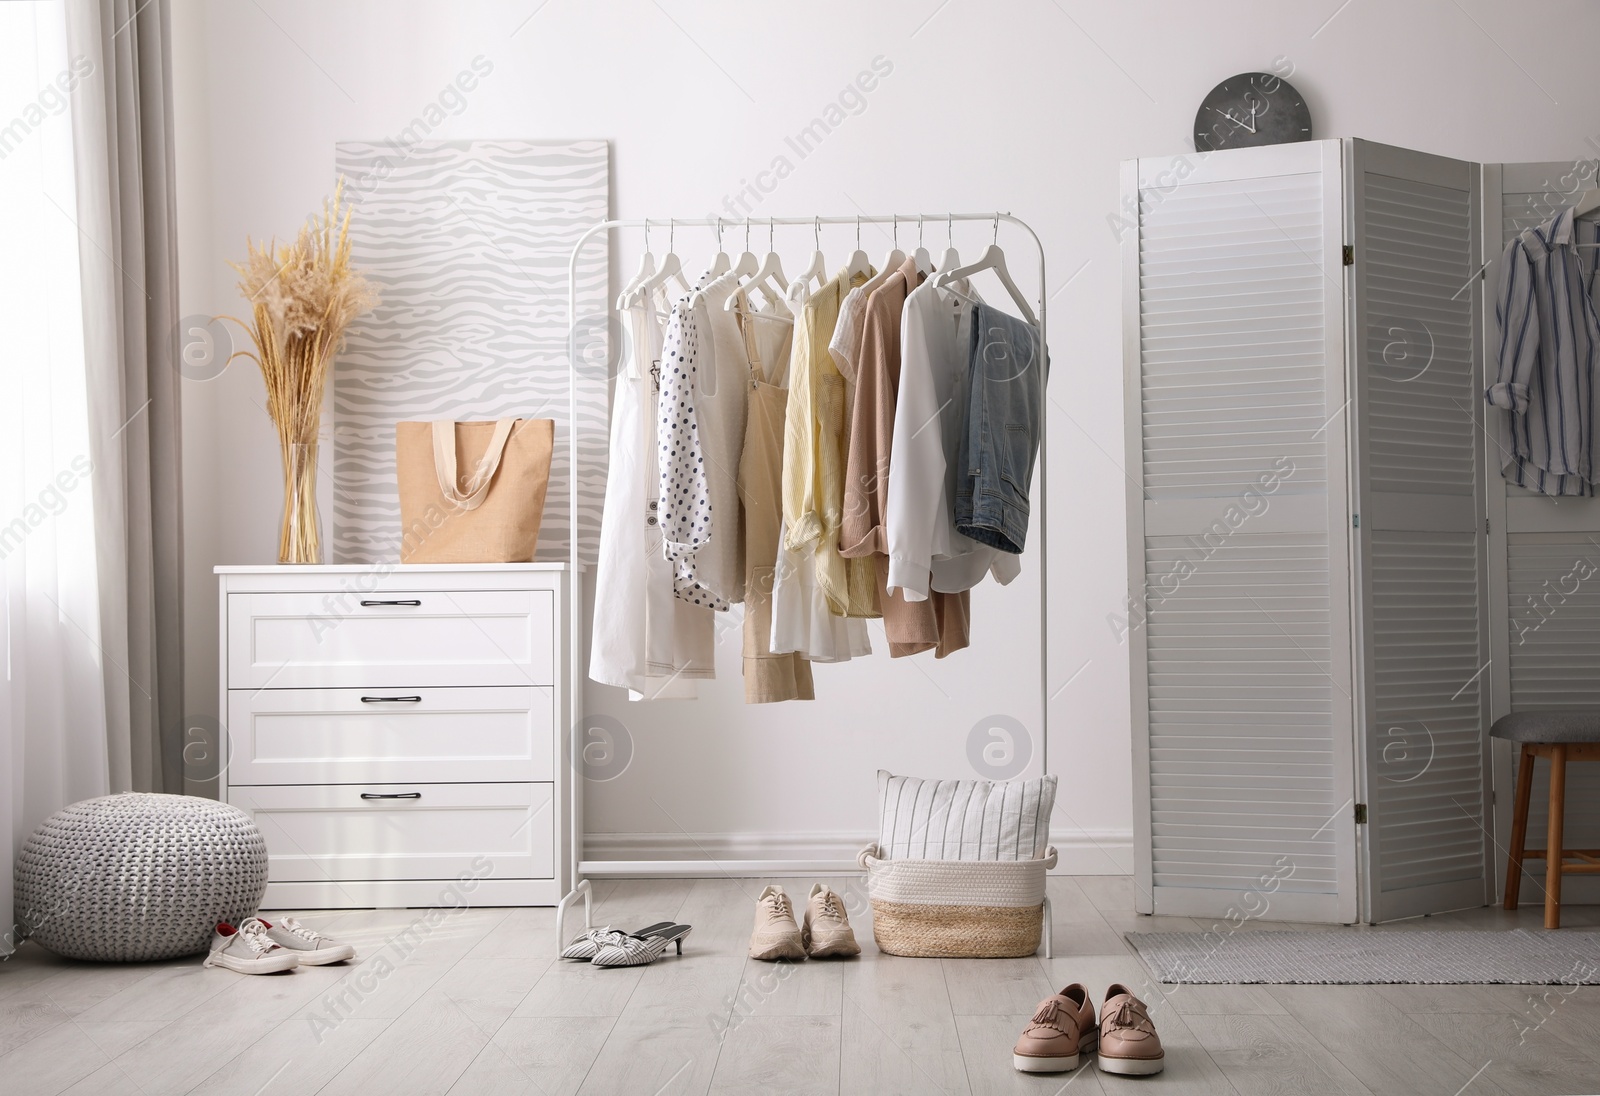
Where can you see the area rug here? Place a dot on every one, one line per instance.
(1373, 957)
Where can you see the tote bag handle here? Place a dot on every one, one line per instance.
(444, 463)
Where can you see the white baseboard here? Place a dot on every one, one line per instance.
(1081, 852)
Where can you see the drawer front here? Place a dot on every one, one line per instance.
(354, 736)
(389, 639)
(323, 834)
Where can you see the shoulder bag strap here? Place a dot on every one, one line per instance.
(444, 463)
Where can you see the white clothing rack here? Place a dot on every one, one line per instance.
(582, 869)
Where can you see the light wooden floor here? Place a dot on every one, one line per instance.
(476, 1005)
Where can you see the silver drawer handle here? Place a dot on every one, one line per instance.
(412, 601)
(391, 700)
(391, 795)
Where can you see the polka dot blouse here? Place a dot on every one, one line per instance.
(685, 500)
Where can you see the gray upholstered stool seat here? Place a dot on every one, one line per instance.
(1561, 736)
(1556, 726)
(138, 876)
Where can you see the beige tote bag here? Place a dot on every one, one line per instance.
(492, 517)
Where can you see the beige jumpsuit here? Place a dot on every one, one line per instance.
(767, 677)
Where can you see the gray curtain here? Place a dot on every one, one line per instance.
(122, 142)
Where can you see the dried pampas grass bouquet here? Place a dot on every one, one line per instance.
(303, 297)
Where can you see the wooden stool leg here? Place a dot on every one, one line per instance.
(1519, 827)
(1553, 858)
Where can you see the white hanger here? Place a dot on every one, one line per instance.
(896, 257)
(951, 258)
(769, 279)
(721, 264)
(920, 256)
(817, 271)
(992, 259)
(859, 263)
(1587, 204)
(671, 267)
(891, 263)
(747, 264)
(647, 267)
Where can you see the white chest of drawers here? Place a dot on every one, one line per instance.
(394, 729)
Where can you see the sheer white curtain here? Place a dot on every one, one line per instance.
(53, 740)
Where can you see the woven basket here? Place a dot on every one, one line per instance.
(956, 909)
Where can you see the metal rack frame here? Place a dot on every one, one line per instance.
(581, 869)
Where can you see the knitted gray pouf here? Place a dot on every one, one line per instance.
(138, 876)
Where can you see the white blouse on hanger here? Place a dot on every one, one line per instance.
(925, 550)
(646, 639)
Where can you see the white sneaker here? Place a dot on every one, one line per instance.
(827, 928)
(248, 950)
(312, 948)
(776, 936)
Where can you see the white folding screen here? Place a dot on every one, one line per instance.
(1307, 558)
(1544, 597)
(1418, 530)
(1238, 556)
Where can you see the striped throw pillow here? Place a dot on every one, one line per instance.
(964, 819)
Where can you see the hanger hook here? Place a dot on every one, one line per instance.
(747, 233)
(672, 235)
(647, 234)
(896, 218)
(858, 232)
(997, 229)
(950, 229)
(770, 222)
(919, 230)
(719, 233)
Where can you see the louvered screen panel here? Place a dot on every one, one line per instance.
(1240, 695)
(1555, 663)
(1424, 635)
(1419, 336)
(1231, 335)
(1553, 641)
(1535, 197)
(1241, 670)
(1428, 737)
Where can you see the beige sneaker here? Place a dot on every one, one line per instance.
(1128, 1040)
(827, 928)
(776, 936)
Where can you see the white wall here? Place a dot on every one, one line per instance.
(1025, 106)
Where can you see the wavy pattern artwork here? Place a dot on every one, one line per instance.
(468, 242)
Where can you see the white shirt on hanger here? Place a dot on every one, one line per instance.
(645, 639)
(925, 550)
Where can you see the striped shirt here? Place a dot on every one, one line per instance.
(1548, 356)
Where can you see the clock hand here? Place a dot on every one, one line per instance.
(1236, 121)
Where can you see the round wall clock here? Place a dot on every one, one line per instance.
(1253, 108)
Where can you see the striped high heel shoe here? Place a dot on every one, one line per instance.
(587, 945)
(641, 949)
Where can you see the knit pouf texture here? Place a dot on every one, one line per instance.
(138, 876)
